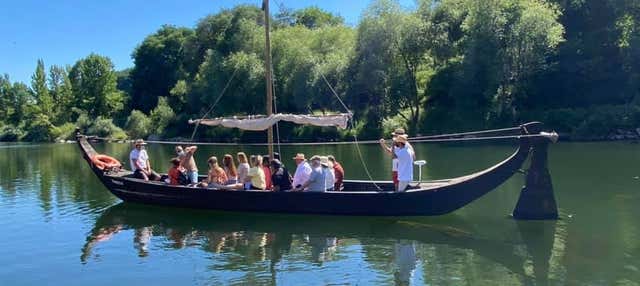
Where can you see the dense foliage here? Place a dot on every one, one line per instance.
(444, 65)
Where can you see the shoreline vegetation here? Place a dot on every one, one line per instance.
(442, 66)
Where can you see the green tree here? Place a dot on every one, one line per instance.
(161, 116)
(158, 66)
(21, 99)
(245, 93)
(502, 49)
(41, 90)
(5, 98)
(138, 125)
(229, 31)
(40, 129)
(61, 93)
(391, 63)
(93, 82)
(104, 127)
(314, 17)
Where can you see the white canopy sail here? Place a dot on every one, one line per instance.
(261, 122)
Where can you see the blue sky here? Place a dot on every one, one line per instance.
(61, 32)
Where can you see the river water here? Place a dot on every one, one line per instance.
(62, 227)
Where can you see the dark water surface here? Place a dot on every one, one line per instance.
(60, 226)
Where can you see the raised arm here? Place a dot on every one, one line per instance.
(384, 146)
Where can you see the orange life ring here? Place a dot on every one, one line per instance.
(105, 162)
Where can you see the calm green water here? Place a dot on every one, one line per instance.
(62, 227)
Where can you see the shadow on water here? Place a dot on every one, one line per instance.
(258, 237)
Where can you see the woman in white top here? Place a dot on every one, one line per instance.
(243, 170)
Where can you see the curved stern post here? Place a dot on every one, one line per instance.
(537, 201)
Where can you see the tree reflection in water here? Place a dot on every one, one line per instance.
(258, 244)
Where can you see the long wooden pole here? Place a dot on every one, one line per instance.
(267, 68)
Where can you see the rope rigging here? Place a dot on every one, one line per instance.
(233, 75)
(411, 140)
(355, 138)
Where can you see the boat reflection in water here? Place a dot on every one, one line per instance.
(395, 249)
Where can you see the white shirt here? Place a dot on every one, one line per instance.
(243, 171)
(303, 172)
(394, 164)
(329, 178)
(139, 156)
(405, 163)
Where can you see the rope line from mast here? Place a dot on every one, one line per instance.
(355, 137)
(275, 109)
(233, 75)
(335, 93)
(411, 140)
(467, 133)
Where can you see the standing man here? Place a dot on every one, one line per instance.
(303, 170)
(140, 164)
(394, 158)
(405, 156)
(338, 172)
(188, 162)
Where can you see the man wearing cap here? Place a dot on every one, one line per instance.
(405, 157)
(303, 170)
(140, 164)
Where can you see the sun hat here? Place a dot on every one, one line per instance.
(402, 138)
(299, 156)
(398, 131)
(324, 160)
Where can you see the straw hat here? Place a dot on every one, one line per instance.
(402, 138)
(139, 142)
(299, 156)
(324, 160)
(398, 131)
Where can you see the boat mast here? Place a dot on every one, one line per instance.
(267, 72)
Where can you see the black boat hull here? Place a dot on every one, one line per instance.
(358, 197)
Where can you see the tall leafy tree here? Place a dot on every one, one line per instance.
(314, 17)
(391, 62)
(61, 93)
(158, 66)
(5, 97)
(93, 81)
(21, 99)
(41, 90)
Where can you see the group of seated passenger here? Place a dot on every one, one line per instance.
(260, 173)
(319, 174)
(323, 174)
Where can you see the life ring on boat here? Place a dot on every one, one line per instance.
(105, 162)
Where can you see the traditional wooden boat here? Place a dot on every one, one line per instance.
(358, 197)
